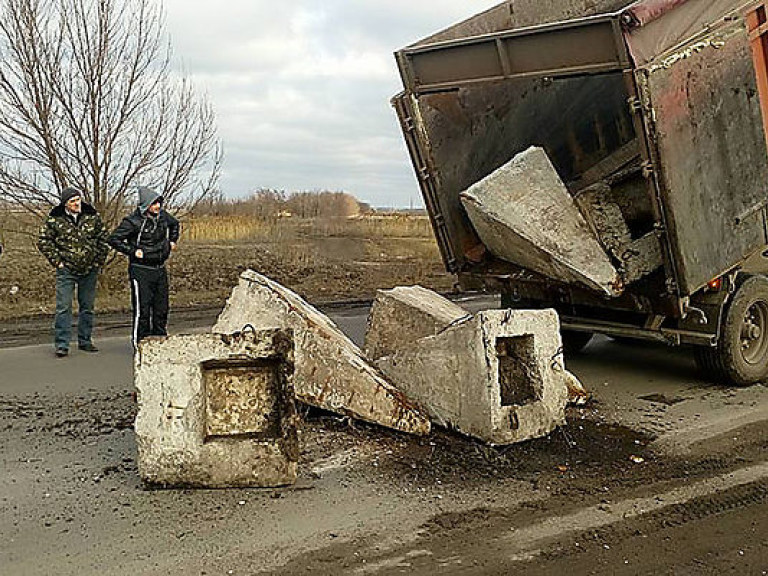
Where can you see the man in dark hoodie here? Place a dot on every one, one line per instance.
(147, 236)
(73, 239)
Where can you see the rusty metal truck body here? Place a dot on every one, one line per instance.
(662, 103)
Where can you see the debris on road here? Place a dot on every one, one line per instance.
(402, 316)
(331, 371)
(577, 394)
(217, 410)
(496, 376)
(524, 214)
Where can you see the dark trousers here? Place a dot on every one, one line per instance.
(149, 300)
(86, 295)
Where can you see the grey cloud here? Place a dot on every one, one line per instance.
(301, 88)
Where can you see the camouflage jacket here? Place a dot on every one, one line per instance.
(80, 247)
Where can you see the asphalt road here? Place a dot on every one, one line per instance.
(661, 473)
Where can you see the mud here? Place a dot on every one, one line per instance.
(370, 501)
(476, 541)
(70, 479)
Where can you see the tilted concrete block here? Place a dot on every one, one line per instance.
(524, 214)
(331, 372)
(641, 257)
(604, 216)
(399, 317)
(217, 410)
(637, 258)
(497, 376)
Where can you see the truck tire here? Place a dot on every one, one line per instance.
(741, 355)
(575, 342)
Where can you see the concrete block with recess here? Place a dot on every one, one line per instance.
(524, 214)
(497, 376)
(217, 410)
(399, 317)
(331, 371)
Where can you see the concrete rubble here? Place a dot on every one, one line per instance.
(523, 213)
(498, 376)
(402, 315)
(577, 394)
(331, 372)
(217, 410)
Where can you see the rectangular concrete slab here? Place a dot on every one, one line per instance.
(524, 214)
(401, 316)
(217, 410)
(498, 376)
(331, 371)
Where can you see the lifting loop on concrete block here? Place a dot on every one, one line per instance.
(557, 366)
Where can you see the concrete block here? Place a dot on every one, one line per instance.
(604, 217)
(524, 214)
(331, 372)
(497, 376)
(217, 410)
(641, 257)
(637, 258)
(401, 316)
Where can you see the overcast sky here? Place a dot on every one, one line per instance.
(301, 88)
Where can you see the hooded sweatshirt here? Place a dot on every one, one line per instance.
(142, 231)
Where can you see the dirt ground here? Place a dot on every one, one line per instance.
(452, 498)
(321, 262)
(609, 493)
(659, 474)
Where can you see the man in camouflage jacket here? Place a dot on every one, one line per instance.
(74, 240)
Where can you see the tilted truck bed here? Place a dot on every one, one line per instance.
(659, 101)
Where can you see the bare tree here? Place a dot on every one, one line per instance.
(88, 99)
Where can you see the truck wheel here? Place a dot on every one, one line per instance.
(574, 342)
(741, 355)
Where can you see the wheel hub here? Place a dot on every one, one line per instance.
(754, 343)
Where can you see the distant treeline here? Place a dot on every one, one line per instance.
(266, 203)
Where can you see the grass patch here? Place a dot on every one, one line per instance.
(321, 258)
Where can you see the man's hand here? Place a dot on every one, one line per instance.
(173, 245)
(139, 253)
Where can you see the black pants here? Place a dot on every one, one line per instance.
(149, 300)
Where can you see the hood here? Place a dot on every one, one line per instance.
(147, 197)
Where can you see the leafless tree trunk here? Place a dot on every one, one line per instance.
(88, 99)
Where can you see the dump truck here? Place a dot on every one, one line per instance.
(643, 124)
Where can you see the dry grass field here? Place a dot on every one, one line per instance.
(322, 259)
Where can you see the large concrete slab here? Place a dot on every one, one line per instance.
(217, 410)
(497, 376)
(524, 214)
(331, 371)
(401, 316)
